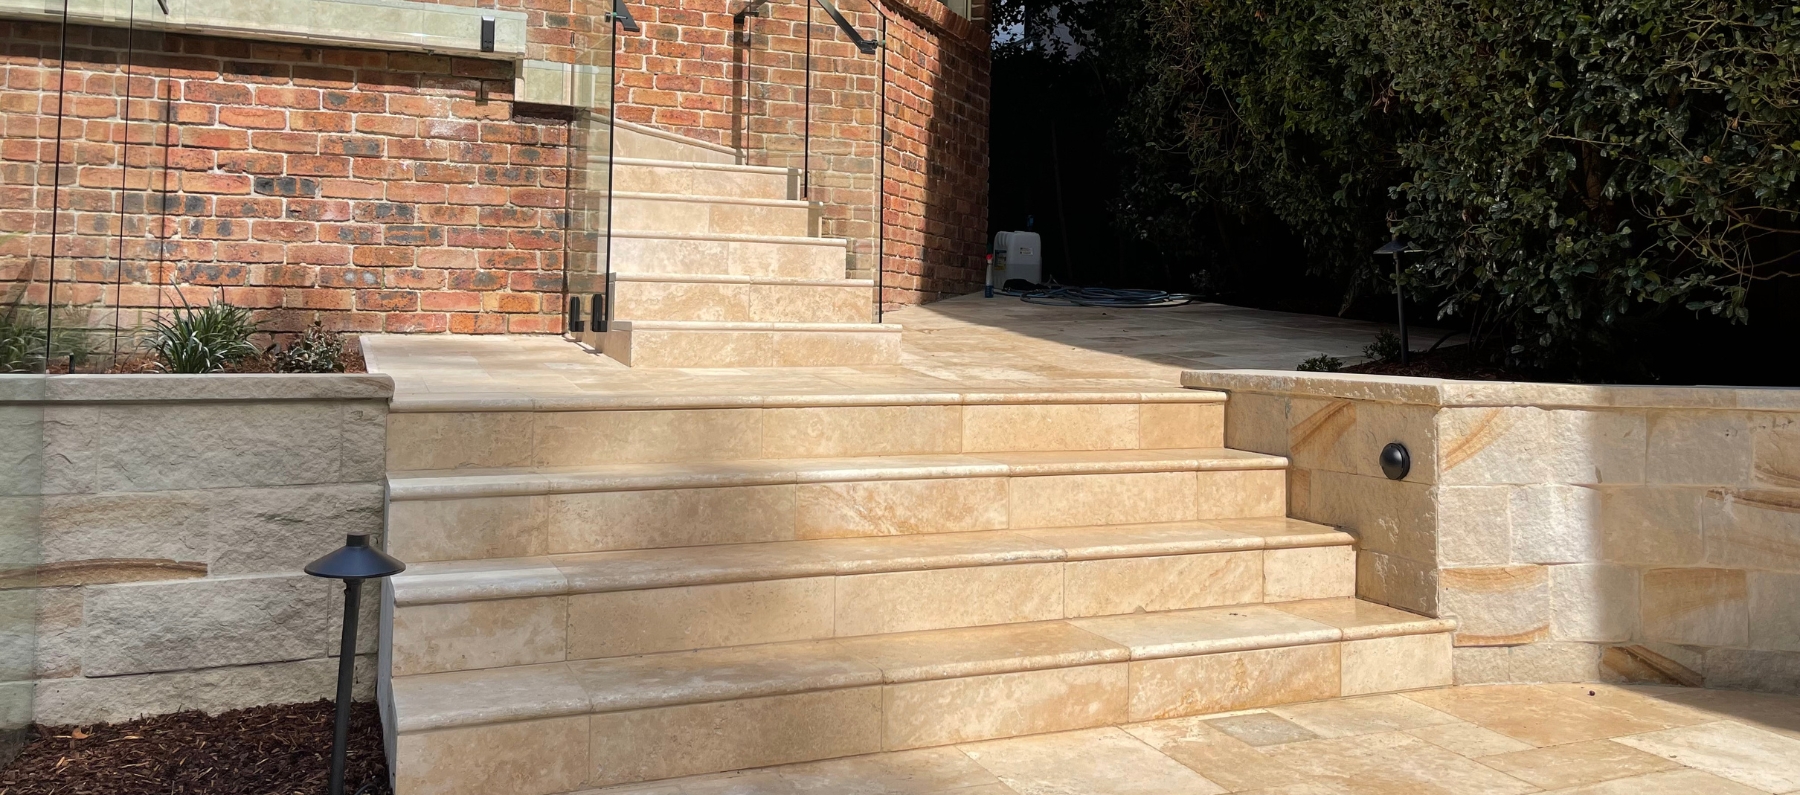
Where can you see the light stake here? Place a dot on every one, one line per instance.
(354, 562)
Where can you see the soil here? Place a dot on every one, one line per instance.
(1454, 362)
(273, 750)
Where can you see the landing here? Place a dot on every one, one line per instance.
(1476, 740)
(958, 345)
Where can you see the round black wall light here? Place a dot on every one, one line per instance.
(1395, 461)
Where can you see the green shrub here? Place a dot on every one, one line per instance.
(203, 340)
(1323, 363)
(22, 331)
(1572, 168)
(1386, 347)
(314, 351)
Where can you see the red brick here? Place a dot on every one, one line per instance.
(387, 300)
(215, 183)
(413, 323)
(253, 118)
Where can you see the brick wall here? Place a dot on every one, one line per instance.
(380, 191)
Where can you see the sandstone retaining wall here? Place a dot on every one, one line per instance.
(155, 530)
(1576, 532)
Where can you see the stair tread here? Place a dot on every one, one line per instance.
(728, 278)
(437, 484)
(747, 325)
(810, 398)
(595, 572)
(799, 204)
(436, 701)
(651, 162)
(731, 237)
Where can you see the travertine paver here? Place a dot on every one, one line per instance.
(959, 345)
(1650, 741)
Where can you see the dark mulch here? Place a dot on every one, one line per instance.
(1454, 362)
(275, 750)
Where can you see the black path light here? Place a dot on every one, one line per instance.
(354, 562)
(1397, 247)
(1395, 461)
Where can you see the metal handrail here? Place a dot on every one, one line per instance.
(867, 46)
(622, 15)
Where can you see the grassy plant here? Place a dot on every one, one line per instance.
(314, 351)
(1386, 347)
(22, 330)
(202, 340)
(1323, 363)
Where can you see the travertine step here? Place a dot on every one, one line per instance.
(494, 613)
(704, 179)
(560, 727)
(474, 514)
(741, 299)
(739, 255)
(723, 215)
(427, 431)
(677, 343)
(643, 142)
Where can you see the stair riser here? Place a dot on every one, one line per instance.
(753, 303)
(728, 258)
(527, 525)
(488, 634)
(457, 440)
(640, 146)
(542, 757)
(712, 349)
(704, 217)
(701, 182)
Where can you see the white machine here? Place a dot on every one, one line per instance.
(1017, 255)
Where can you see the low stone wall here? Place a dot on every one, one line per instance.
(1576, 532)
(155, 530)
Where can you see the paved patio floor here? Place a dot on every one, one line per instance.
(959, 345)
(1490, 740)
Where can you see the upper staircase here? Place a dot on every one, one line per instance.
(622, 590)
(716, 264)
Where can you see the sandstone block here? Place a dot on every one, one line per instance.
(1497, 605)
(1699, 447)
(1555, 524)
(1473, 526)
(1654, 525)
(1593, 602)
(117, 698)
(1703, 607)
(146, 627)
(1774, 611)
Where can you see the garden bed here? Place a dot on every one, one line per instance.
(272, 750)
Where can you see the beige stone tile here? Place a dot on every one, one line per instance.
(1402, 662)
(900, 507)
(485, 527)
(1049, 426)
(921, 714)
(1198, 685)
(587, 438)
(1309, 573)
(699, 617)
(1099, 762)
(1178, 425)
(1710, 448)
(1652, 525)
(618, 684)
(1774, 619)
(1467, 739)
(943, 598)
(1075, 500)
(1703, 607)
(1576, 764)
(466, 635)
(1360, 620)
(1393, 764)
(1767, 711)
(1344, 717)
(1207, 631)
(1631, 701)
(1729, 750)
(458, 440)
(1497, 605)
(1175, 582)
(1393, 517)
(829, 349)
(535, 757)
(916, 656)
(845, 431)
(1221, 758)
(1533, 714)
(668, 518)
(928, 771)
(1670, 782)
(495, 695)
(650, 744)
(1231, 494)
(1119, 541)
(1259, 728)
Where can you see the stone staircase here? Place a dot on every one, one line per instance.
(608, 590)
(716, 264)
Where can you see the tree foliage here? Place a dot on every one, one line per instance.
(1569, 167)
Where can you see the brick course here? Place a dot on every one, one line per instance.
(299, 181)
